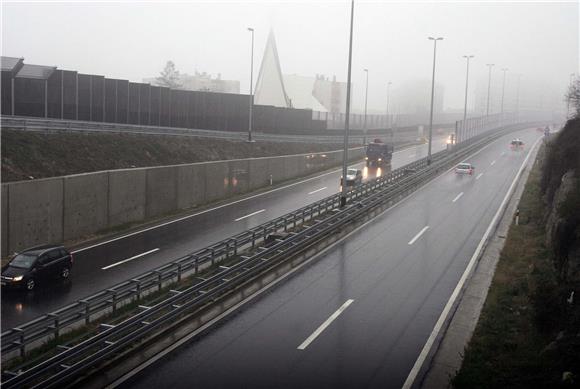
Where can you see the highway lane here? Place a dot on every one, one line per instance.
(398, 274)
(104, 265)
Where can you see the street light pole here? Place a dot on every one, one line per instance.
(251, 86)
(366, 98)
(388, 89)
(489, 65)
(504, 70)
(467, 57)
(569, 90)
(346, 119)
(432, 97)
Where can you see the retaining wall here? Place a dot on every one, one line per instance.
(58, 209)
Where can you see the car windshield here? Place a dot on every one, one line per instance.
(464, 166)
(24, 261)
(376, 147)
(351, 172)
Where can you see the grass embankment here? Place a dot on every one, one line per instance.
(31, 155)
(528, 335)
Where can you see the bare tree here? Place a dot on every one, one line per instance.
(573, 98)
(169, 77)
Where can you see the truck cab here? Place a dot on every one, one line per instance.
(378, 153)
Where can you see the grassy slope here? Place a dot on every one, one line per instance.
(26, 154)
(514, 344)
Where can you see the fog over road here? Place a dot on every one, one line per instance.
(360, 314)
(109, 263)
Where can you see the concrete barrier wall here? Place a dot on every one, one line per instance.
(60, 209)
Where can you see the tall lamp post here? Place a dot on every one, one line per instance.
(346, 119)
(388, 90)
(489, 65)
(467, 57)
(504, 70)
(366, 99)
(251, 86)
(518, 98)
(432, 96)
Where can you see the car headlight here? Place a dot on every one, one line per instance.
(367, 158)
(380, 159)
(17, 278)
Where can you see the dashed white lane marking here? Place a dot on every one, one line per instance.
(251, 214)
(317, 190)
(418, 235)
(457, 197)
(324, 325)
(492, 163)
(479, 176)
(129, 259)
(503, 153)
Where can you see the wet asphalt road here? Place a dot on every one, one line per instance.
(175, 240)
(398, 274)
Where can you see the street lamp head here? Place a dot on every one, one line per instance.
(435, 39)
(366, 70)
(250, 29)
(468, 56)
(490, 64)
(504, 69)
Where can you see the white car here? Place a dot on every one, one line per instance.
(464, 168)
(353, 177)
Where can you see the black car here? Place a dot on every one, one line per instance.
(36, 264)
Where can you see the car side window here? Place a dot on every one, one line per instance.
(63, 253)
(43, 260)
(53, 255)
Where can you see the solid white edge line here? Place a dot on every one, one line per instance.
(443, 317)
(129, 259)
(418, 235)
(317, 190)
(457, 197)
(271, 285)
(251, 214)
(479, 176)
(221, 206)
(326, 323)
(492, 163)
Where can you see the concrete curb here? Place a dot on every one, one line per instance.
(448, 357)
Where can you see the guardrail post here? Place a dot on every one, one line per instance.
(137, 288)
(56, 323)
(235, 247)
(87, 311)
(114, 299)
(285, 224)
(253, 239)
(213, 256)
(158, 279)
(21, 341)
(227, 249)
(196, 262)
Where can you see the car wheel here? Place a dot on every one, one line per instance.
(65, 273)
(30, 284)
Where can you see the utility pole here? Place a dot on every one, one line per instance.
(251, 87)
(489, 65)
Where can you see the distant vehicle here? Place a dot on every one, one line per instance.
(353, 177)
(464, 168)
(516, 144)
(379, 153)
(36, 264)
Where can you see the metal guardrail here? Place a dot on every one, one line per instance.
(317, 219)
(44, 124)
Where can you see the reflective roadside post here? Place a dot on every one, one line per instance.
(432, 96)
(251, 86)
(346, 119)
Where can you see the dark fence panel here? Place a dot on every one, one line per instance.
(29, 97)
(155, 106)
(54, 94)
(6, 93)
(122, 101)
(84, 102)
(98, 97)
(165, 116)
(144, 106)
(69, 97)
(133, 103)
(110, 100)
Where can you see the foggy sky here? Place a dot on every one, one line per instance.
(133, 40)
